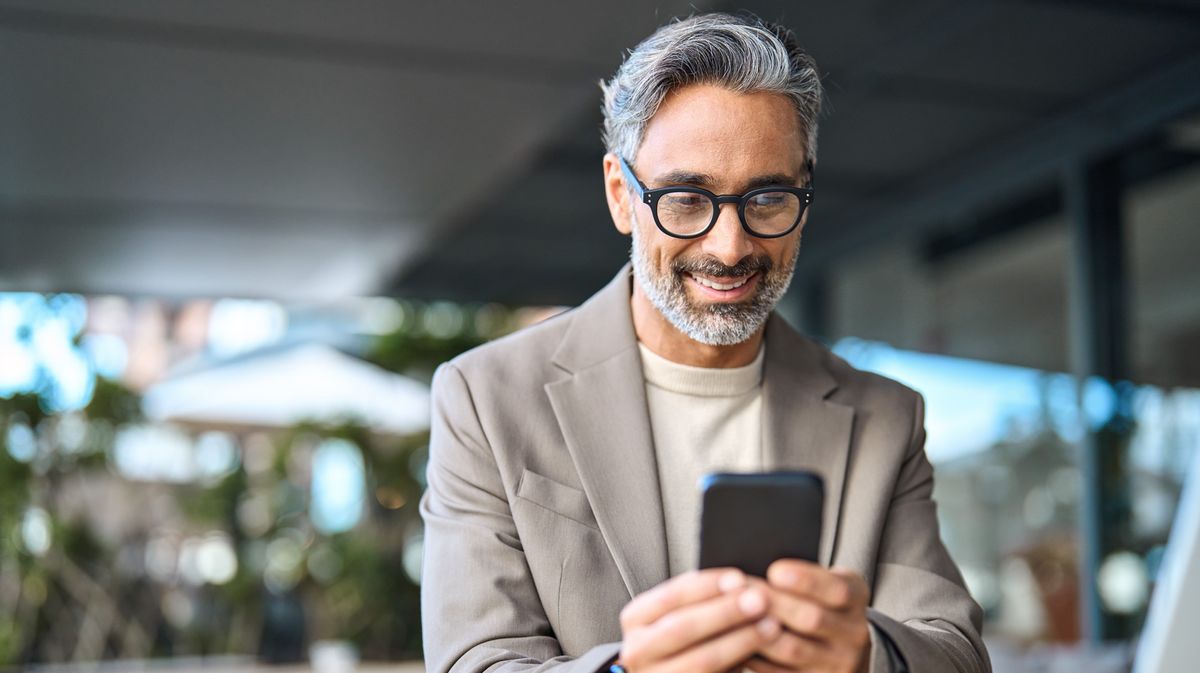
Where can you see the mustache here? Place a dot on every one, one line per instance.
(714, 269)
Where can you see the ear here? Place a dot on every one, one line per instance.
(617, 192)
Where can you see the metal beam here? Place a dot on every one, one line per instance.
(1009, 170)
(1178, 11)
(1099, 326)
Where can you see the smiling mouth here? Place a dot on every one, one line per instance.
(716, 285)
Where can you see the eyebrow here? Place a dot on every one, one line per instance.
(689, 178)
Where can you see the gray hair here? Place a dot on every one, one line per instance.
(741, 53)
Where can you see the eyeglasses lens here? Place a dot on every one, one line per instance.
(685, 213)
(772, 212)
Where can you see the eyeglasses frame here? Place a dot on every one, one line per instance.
(651, 197)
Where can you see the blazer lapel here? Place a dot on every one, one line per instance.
(802, 430)
(601, 409)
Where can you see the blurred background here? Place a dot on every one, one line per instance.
(237, 237)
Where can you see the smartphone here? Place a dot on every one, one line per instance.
(749, 521)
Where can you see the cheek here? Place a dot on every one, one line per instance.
(782, 254)
(669, 251)
(658, 248)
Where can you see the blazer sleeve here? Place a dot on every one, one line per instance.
(919, 599)
(480, 609)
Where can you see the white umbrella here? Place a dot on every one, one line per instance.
(281, 388)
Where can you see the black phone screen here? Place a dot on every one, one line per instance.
(748, 521)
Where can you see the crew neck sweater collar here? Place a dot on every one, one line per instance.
(700, 381)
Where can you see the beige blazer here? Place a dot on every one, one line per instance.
(543, 515)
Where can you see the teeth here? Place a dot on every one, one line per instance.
(719, 286)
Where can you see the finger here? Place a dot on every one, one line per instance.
(835, 662)
(826, 659)
(764, 665)
(692, 624)
(809, 618)
(860, 593)
(792, 651)
(678, 591)
(725, 651)
(806, 579)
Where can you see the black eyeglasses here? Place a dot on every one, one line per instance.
(691, 212)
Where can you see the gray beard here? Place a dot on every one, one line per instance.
(712, 324)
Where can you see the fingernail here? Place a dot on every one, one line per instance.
(768, 627)
(731, 580)
(751, 603)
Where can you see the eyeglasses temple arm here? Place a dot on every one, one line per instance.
(632, 179)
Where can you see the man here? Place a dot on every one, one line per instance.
(562, 513)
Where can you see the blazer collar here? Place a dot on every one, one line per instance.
(601, 328)
(601, 409)
(802, 428)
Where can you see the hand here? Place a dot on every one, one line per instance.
(705, 621)
(824, 617)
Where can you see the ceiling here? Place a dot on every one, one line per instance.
(284, 148)
(273, 148)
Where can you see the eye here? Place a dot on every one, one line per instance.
(770, 200)
(683, 201)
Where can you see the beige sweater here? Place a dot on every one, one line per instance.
(702, 420)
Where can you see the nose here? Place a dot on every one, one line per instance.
(727, 241)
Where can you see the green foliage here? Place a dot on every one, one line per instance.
(10, 639)
(114, 403)
(369, 600)
(14, 476)
(24, 405)
(213, 504)
(436, 333)
(351, 585)
(418, 354)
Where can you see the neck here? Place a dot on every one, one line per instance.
(665, 340)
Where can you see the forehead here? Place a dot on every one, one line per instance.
(712, 129)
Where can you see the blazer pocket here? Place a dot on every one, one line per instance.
(561, 499)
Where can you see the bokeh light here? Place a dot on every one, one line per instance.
(38, 349)
(1124, 583)
(241, 325)
(338, 489)
(36, 531)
